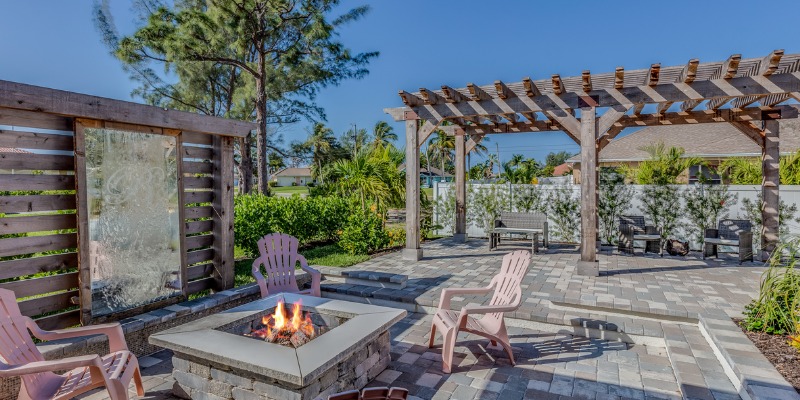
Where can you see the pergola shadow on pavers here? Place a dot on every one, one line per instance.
(593, 109)
(684, 305)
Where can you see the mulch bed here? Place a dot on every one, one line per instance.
(780, 353)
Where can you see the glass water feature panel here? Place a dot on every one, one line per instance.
(134, 235)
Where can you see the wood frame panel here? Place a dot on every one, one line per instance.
(84, 265)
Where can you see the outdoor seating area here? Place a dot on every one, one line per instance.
(145, 254)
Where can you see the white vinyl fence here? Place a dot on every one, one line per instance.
(790, 194)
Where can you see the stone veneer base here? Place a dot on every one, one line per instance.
(202, 379)
(344, 358)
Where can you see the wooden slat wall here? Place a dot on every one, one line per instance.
(38, 259)
(198, 195)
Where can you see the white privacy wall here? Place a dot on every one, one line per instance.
(790, 194)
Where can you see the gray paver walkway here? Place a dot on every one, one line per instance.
(673, 286)
(549, 366)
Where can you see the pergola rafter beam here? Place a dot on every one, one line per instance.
(503, 91)
(530, 88)
(451, 95)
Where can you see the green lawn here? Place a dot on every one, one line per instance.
(330, 255)
(428, 192)
(290, 189)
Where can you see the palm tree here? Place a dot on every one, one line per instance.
(442, 146)
(510, 173)
(319, 140)
(383, 134)
(369, 175)
(516, 160)
(493, 160)
(479, 150)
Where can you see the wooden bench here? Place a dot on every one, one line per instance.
(633, 227)
(534, 224)
(730, 232)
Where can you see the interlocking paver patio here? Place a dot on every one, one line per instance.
(646, 296)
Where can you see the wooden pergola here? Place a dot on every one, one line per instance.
(593, 109)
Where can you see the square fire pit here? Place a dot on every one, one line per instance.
(222, 356)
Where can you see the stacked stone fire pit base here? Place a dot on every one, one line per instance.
(213, 361)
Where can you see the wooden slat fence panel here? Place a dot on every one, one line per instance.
(35, 140)
(191, 167)
(24, 268)
(204, 153)
(196, 138)
(47, 284)
(46, 304)
(35, 265)
(37, 223)
(199, 212)
(35, 244)
(35, 161)
(196, 242)
(201, 284)
(194, 257)
(35, 203)
(36, 182)
(200, 271)
(193, 227)
(198, 197)
(193, 182)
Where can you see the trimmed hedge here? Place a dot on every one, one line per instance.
(307, 219)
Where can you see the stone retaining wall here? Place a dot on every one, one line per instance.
(201, 379)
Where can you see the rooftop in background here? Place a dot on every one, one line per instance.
(702, 140)
(304, 171)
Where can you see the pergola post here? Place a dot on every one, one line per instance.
(588, 265)
(460, 230)
(770, 162)
(412, 251)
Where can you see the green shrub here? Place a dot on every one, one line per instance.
(397, 236)
(777, 308)
(564, 208)
(307, 219)
(363, 232)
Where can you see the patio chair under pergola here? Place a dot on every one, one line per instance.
(593, 109)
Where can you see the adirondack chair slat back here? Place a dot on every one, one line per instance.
(507, 289)
(16, 345)
(279, 258)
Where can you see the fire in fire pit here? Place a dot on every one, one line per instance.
(293, 331)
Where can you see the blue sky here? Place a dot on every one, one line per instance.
(426, 43)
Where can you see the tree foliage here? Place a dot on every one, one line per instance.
(615, 199)
(663, 167)
(283, 50)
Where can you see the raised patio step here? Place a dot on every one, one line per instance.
(366, 278)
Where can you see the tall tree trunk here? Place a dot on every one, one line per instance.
(261, 133)
(246, 165)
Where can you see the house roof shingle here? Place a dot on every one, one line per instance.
(294, 172)
(702, 140)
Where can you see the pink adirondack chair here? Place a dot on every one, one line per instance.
(507, 297)
(279, 257)
(22, 358)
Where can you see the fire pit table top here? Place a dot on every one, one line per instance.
(205, 338)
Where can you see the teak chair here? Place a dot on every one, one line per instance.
(22, 358)
(507, 297)
(279, 257)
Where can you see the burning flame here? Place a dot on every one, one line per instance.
(279, 325)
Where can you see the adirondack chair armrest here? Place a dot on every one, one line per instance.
(473, 308)
(116, 338)
(444, 300)
(316, 276)
(91, 360)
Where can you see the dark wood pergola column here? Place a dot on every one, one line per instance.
(588, 265)
(770, 188)
(460, 229)
(413, 251)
